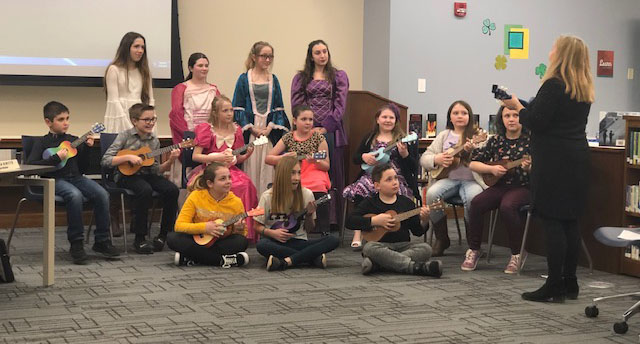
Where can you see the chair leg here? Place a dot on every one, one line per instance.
(455, 215)
(153, 211)
(124, 223)
(586, 253)
(86, 240)
(431, 233)
(523, 253)
(493, 220)
(343, 224)
(631, 311)
(15, 222)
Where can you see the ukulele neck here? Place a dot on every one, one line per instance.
(403, 216)
(161, 151)
(234, 219)
(242, 149)
(512, 164)
(81, 139)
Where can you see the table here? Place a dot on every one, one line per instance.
(28, 175)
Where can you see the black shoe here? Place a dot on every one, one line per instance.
(320, 261)
(78, 254)
(274, 263)
(158, 243)
(106, 249)
(238, 259)
(571, 287)
(182, 260)
(547, 293)
(143, 247)
(431, 268)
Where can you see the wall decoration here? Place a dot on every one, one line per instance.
(501, 62)
(518, 43)
(605, 63)
(541, 69)
(508, 28)
(488, 26)
(460, 8)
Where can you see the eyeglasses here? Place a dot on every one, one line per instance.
(266, 57)
(149, 120)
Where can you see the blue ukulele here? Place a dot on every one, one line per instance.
(383, 154)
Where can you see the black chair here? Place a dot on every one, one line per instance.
(106, 139)
(187, 158)
(34, 193)
(454, 201)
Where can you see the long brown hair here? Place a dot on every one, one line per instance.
(397, 132)
(471, 128)
(215, 104)
(209, 174)
(285, 199)
(309, 66)
(570, 63)
(254, 52)
(122, 59)
(192, 62)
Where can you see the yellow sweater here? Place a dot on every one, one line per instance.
(200, 207)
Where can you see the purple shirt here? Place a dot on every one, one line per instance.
(461, 172)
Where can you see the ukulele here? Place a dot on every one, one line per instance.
(71, 146)
(441, 172)
(378, 232)
(207, 240)
(262, 140)
(491, 180)
(315, 156)
(500, 93)
(383, 154)
(148, 156)
(292, 224)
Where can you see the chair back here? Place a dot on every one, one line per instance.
(106, 139)
(27, 146)
(187, 158)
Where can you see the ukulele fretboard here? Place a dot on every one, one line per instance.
(162, 151)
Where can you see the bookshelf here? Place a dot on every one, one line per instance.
(631, 215)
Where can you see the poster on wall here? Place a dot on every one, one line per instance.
(605, 63)
(432, 124)
(611, 128)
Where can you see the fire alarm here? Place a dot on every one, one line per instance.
(460, 9)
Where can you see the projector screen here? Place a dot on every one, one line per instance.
(79, 38)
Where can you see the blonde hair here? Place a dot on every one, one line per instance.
(254, 52)
(285, 199)
(570, 64)
(217, 101)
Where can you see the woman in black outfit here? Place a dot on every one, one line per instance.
(557, 119)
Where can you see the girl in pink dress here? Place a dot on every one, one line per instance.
(215, 141)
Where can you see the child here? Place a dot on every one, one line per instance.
(147, 179)
(386, 131)
(73, 186)
(211, 200)
(282, 248)
(461, 180)
(215, 141)
(509, 194)
(394, 251)
(304, 141)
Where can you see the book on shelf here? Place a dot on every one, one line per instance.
(415, 124)
(432, 124)
(633, 147)
(492, 125)
(632, 252)
(476, 119)
(611, 128)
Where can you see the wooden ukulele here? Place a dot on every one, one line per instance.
(491, 180)
(148, 156)
(207, 240)
(378, 232)
(71, 146)
(262, 140)
(441, 172)
(383, 154)
(292, 224)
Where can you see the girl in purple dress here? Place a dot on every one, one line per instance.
(324, 88)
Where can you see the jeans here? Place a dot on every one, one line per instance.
(446, 188)
(397, 256)
(143, 187)
(300, 251)
(72, 190)
(184, 243)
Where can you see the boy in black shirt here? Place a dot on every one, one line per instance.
(394, 251)
(72, 186)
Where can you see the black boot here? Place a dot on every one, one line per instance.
(571, 287)
(442, 238)
(431, 268)
(549, 292)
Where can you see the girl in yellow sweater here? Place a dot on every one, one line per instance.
(212, 200)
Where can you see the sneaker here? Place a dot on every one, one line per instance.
(320, 261)
(368, 266)
(78, 255)
(143, 247)
(431, 268)
(238, 259)
(106, 249)
(274, 263)
(471, 259)
(158, 243)
(182, 260)
(513, 265)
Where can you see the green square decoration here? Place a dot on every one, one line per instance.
(508, 28)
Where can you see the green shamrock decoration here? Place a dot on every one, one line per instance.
(501, 62)
(488, 26)
(541, 69)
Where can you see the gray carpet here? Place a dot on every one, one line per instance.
(146, 299)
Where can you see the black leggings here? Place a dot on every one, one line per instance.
(184, 243)
(563, 241)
